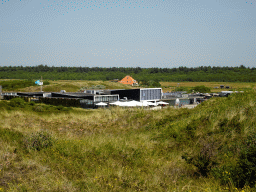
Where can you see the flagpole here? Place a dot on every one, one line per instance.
(41, 84)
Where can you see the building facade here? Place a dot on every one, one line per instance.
(143, 94)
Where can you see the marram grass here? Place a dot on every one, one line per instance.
(121, 149)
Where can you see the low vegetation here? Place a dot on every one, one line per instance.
(11, 85)
(209, 148)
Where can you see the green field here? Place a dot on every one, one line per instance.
(49, 148)
(236, 86)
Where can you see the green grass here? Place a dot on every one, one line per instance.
(124, 149)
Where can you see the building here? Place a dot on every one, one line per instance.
(87, 100)
(177, 94)
(128, 80)
(142, 94)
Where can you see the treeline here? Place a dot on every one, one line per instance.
(196, 74)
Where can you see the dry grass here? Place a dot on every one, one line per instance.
(74, 86)
(170, 86)
(113, 149)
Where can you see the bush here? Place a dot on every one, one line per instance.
(202, 89)
(38, 141)
(59, 107)
(32, 103)
(4, 105)
(16, 84)
(46, 83)
(17, 102)
(38, 108)
(241, 173)
(205, 159)
(182, 89)
(246, 168)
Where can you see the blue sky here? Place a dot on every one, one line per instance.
(128, 33)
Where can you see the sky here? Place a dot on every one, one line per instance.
(128, 33)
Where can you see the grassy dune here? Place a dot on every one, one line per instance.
(74, 86)
(126, 149)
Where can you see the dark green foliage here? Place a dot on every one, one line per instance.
(223, 124)
(46, 82)
(236, 124)
(32, 103)
(16, 84)
(246, 165)
(205, 159)
(187, 89)
(226, 174)
(150, 83)
(202, 89)
(191, 128)
(59, 107)
(50, 108)
(11, 136)
(148, 76)
(229, 125)
(242, 172)
(38, 141)
(4, 105)
(17, 102)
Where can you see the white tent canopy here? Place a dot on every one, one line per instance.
(137, 103)
(151, 104)
(101, 104)
(162, 103)
(115, 103)
(132, 104)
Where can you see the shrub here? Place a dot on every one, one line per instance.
(38, 141)
(4, 105)
(59, 107)
(32, 103)
(242, 172)
(246, 168)
(202, 89)
(205, 159)
(226, 125)
(187, 89)
(225, 173)
(46, 83)
(17, 102)
(38, 108)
